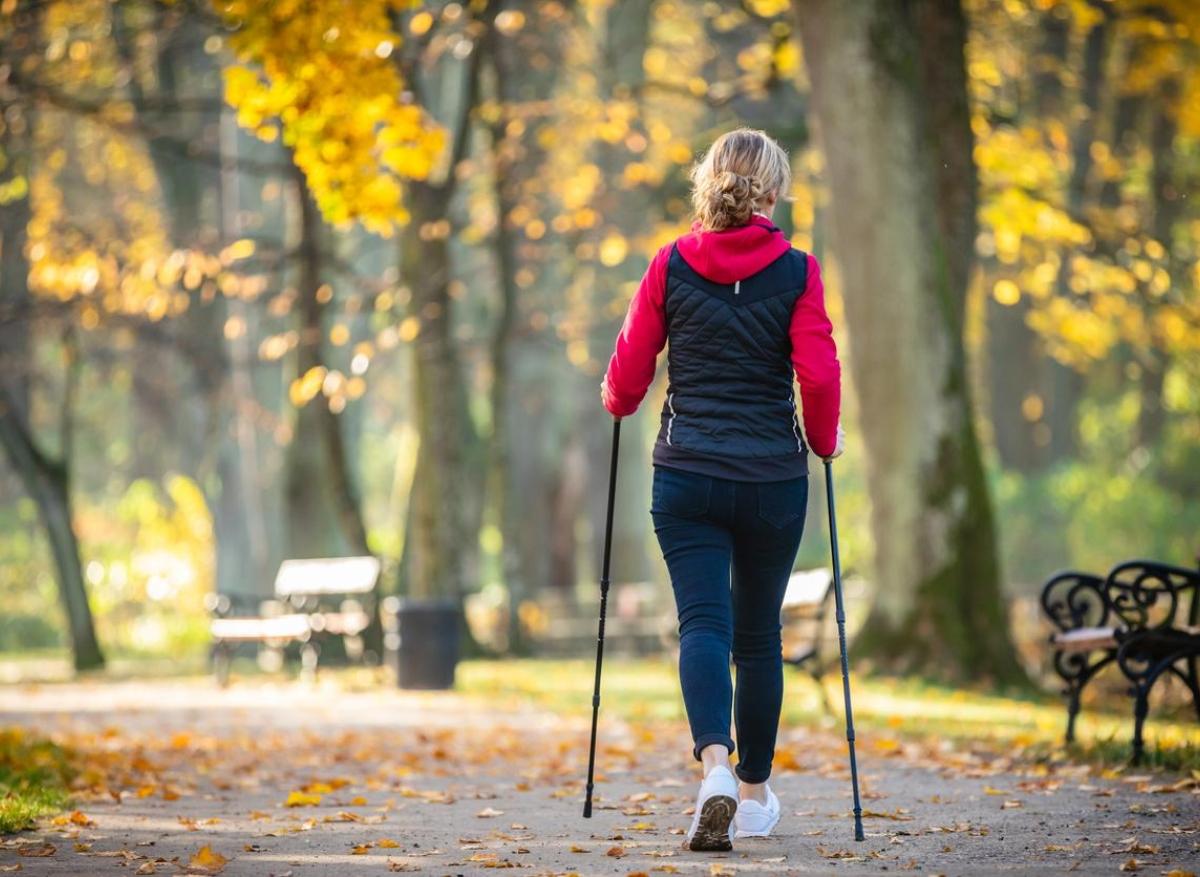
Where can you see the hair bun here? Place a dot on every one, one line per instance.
(733, 199)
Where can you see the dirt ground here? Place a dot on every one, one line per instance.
(288, 779)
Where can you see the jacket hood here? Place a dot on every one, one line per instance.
(733, 254)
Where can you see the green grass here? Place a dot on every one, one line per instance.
(885, 710)
(34, 774)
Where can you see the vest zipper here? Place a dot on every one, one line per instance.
(737, 287)
(671, 421)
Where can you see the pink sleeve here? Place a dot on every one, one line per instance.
(814, 357)
(642, 337)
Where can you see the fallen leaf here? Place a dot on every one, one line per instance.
(1132, 865)
(1011, 804)
(41, 851)
(361, 849)
(615, 852)
(1133, 845)
(302, 799)
(146, 868)
(402, 866)
(576, 848)
(208, 861)
(386, 843)
(488, 812)
(16, 867)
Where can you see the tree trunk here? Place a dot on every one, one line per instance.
(518, 433)
(323, 508)
(889, 91)
(442, 540)
(622, 76)
(48, 485)
(1167, 202)
(46, 480)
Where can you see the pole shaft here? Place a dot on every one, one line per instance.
(841, 624)
(604, 579)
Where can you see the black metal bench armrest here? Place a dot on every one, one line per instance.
(1073, 600)
(1144, 594)
(1144, 655)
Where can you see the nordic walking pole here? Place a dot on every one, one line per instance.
(608, 529)
(841, 623)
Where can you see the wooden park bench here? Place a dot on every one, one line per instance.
(300, 613)
(1143, 616)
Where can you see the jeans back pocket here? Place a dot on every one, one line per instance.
(683, 494)
(781, 503)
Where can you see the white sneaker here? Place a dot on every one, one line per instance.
(712, 824)
(754, 820)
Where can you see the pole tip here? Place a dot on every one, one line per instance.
(858, 833)
(587, 809)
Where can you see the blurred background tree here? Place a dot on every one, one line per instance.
(309, 279)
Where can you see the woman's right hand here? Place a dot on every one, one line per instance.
(840, 446)
(604, 398)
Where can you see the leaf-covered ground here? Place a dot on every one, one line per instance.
(278, 778)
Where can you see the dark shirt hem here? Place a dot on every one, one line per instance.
(732, 468)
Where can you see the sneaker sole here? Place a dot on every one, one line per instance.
(712, 832)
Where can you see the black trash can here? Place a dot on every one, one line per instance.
(426, 642)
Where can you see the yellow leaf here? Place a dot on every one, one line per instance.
(302, 799)
(209, 861)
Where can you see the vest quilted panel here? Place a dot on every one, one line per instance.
(729, 390)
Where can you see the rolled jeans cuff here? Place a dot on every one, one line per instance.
(710, 739)
(752, 776)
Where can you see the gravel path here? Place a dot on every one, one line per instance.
(283, 779)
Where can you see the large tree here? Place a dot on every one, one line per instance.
(44, 473)
(889, 93)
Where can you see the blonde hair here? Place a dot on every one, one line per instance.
(739, 174)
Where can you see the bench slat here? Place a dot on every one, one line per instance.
(1086, 639)
(807, 588)
(280, 627)
(326, 575)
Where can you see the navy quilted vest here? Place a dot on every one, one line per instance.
(730, 409)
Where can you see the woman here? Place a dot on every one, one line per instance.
(742, 310)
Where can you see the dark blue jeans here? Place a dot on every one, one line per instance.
(729, 548)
